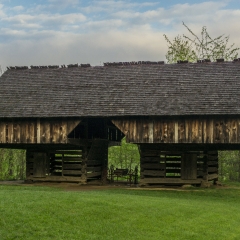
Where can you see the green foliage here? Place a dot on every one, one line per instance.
(229, 165)
(12, 164)
(124, 156)
(50, 213)
(199, 47)
(179, 50)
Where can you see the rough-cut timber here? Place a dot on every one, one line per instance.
(36, 130)
(181, 130)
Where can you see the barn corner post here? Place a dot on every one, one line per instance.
(84, 164)
(210, 168)
(97, 162)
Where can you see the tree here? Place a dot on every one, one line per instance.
(229, 165)
(195, 48)
(12, 164)
(124, 156)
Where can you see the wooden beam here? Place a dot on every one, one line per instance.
(212, 176)
(169, 181)
(153, 173)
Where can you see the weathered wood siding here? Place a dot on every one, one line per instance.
(36, 131)
(82, 166)
(62, 166)
(177, 167)
(210, 130)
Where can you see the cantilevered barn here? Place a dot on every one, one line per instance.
(66, 117)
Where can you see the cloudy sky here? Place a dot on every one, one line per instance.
(79, 31)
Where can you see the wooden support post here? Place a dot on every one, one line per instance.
(105, 164)
(39, 160)
(205, 166)
(189, 166)
(84, 165)
(204, 182)
(136, 175)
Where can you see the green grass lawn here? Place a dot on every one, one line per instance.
(52, 213)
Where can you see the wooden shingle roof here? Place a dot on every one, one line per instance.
(125, 90)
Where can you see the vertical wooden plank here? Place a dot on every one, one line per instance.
(134, 131)
(27, 132)
(126, 130)
(211, 122)
(10, 132)
(157, 131)
(38, 131)
(2, 132)
(189, 166)
(195, 131)
(165, 131)
(55, 136)
(204, 131)
(150, 131)
(190, 131)
(131, 128)
(200, 127)
(209, 132)
(145, 131)
(47, 132)
(187, 131)
(16, 132)
(32, 131)
(139, 130)
(221, 131)
(43, 130)
(64, 132)
(39, 165)
(181, 132)
(171, 130)
(216, 131)
(233, 133)
(238, 130)
(205, 166)
(23, 131)
(176, 132)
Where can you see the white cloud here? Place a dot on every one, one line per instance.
(176, 13)
(82, 48)
(62, 3)
(2, 13)
(18, 8)
(44, 20)
(113, 6)
(123, 33)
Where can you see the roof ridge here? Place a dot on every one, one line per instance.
(110, 64)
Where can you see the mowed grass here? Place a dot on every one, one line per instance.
(52, 213)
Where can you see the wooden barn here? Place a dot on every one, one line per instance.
(66, 117)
